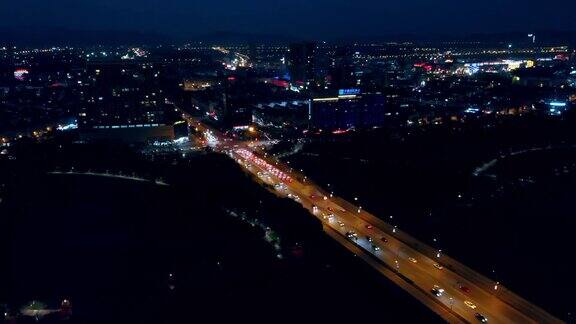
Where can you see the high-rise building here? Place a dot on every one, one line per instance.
(7, 65)
(342, 69)
(120, 105)
(301, 63)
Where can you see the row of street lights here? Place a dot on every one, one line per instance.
(395, 229)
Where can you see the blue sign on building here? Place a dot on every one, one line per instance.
(348, 92)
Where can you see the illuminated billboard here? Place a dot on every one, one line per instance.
(348, 92)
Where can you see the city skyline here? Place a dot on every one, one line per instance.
(171, 161)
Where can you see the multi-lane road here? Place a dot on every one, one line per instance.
(461, 294)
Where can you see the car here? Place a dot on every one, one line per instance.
(385, 240)
(464, 289)
(351, 235)
(481, 318)
(341, 224)
(369, 239)
(369, 226)
(437, 266)
(375, 247)
(411, 259)
(437, 291)
(470, 304)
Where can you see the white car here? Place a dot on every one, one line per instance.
(481, 318)
(437, 266)
(437, 291)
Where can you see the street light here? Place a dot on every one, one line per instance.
(359, 209)
(394, 229)
(438, 254)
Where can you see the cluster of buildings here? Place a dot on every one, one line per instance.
(134, 94)
(108, 94)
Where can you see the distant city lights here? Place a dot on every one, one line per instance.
(472, 110)
(20, 74)
(70, 126)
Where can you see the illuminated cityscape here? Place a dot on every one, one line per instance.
(218, 162)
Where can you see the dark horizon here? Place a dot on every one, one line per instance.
(55, 36)
(180, 20)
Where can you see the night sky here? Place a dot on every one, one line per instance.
(299, 18)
